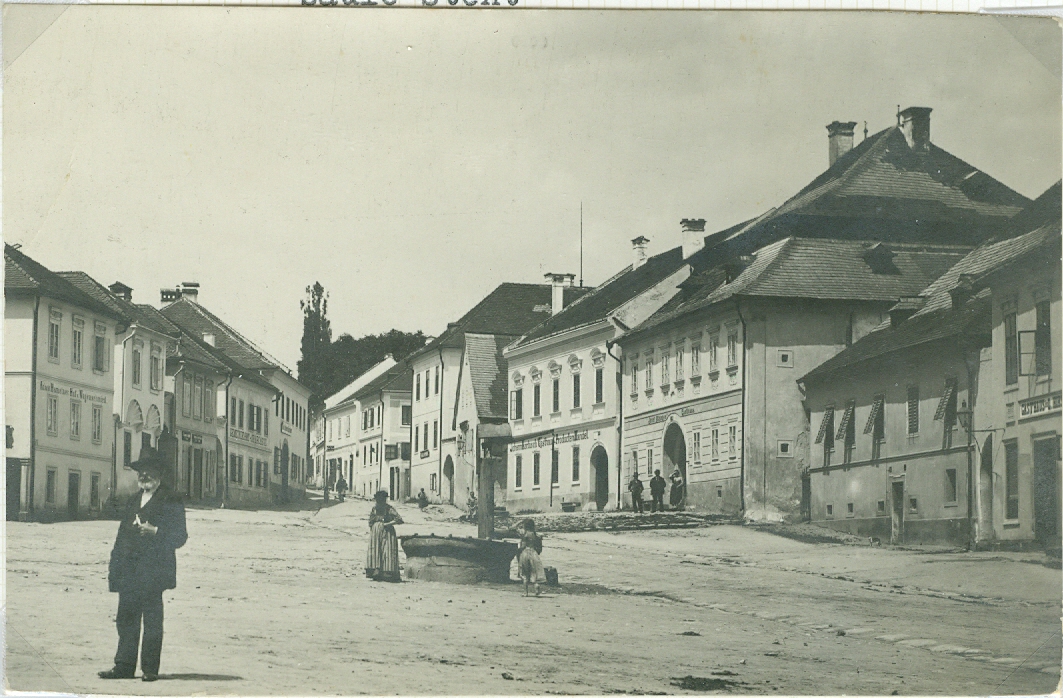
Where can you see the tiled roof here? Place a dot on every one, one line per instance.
(816, 269)
(604, 300)
(143, 315)
(197, 321)
(23, 274)
(937, 319)
(398, 377)
(487, 369)
(511, 309)
(884, 190)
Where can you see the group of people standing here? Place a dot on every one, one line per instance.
(658, 485)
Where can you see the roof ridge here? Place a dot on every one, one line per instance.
(214, 319)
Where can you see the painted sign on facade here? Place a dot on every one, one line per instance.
(1042, 404)
(548, 440)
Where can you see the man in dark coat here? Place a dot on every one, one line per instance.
(143, 565)
(635, 487)
(657, 487)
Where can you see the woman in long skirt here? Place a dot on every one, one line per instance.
(382, 558)
(678, 493)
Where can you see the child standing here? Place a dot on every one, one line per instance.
(528, 550)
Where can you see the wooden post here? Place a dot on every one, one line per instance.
(485, 507)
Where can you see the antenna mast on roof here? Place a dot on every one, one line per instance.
(581, 244)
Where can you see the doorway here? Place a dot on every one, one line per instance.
(448, 476)
(73, 494)
(600, 463)
(897, 511)
(14, 487)
(197, 473)
(1045, 490)
(675, 457)
(985, 489)
(806, 495)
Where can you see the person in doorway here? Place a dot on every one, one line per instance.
(636, 488)
(529, 549)
(657, 487)
(678, 492)
(341, 488)
(143, 565)
(382, 558)
(422, 499)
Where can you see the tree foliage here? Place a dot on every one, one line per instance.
(327, 366)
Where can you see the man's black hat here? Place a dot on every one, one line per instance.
(149, 462)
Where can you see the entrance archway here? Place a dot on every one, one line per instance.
(600, 463)
(448, 476)
(985, 490)
(675, 456)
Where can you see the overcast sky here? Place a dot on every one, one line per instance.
(412, 160)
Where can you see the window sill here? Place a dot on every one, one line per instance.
(714, 374)
(556, 485)
(1013, 388)
(951, 505)
(1012, 524)
(53, 361)
(731, 370)
(76, 367)
(536, 487)
(695, 380)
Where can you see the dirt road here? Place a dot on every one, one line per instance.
(276, 603)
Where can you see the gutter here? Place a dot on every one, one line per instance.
(442, 381)
(609, 344)
(27, 504)
(745, 379)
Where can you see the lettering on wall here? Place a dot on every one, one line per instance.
(72, 391)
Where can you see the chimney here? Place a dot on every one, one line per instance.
(962, 291)
(190, 290)
(915, 125)
(693, 235)
(169, 295)
(558, 283)
(208, 338)
(121, 290)
(839, 139)
(639, 247)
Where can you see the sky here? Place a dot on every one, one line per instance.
(412, 160)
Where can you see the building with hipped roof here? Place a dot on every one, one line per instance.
(564, 400)
(263, 408)
(931, 428)
(59, 392)
(444, 458)
(709, 378)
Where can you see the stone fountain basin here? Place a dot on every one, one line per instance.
(457, 560)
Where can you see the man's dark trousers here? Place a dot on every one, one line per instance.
(132, 606)
(637, 501)
(658, 502)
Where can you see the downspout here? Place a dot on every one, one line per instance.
(972, 537)
(114, 447)
(609, 344)
(745, 379)
(228, 421)
(176, 408)
(380, 450)
(442, 381)
(27, 504)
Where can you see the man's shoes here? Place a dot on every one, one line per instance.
(115, 673)
(149, 677)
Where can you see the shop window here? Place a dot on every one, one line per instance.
(535, 470)
(94, 490)
(575, 464)
(518, 472)
(555, 474)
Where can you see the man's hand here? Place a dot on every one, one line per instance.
(145, 528)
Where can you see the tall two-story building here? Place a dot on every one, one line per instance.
(939, 425)
(445, 468)
(59, 394)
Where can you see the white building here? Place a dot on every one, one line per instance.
(59, 394)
